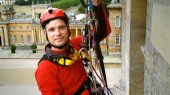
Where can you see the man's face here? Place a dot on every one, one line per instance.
(57, 32)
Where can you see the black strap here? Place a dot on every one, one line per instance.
(45, 57)
(51, 57)
(85, 85)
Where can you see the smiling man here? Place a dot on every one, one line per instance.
(61, 71)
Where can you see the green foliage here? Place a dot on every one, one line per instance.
(81, 9)
(33, 46)
(22, 2)
(65, 4)
(13, 47)
(106, 0)
(105, 4)
(29, 2)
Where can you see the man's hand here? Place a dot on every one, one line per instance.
(95, 2)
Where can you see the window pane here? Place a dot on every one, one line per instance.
(117, 21)
(28, 38)
(117, 39)
(15, 38)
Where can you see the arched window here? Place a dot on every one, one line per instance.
(117, 21)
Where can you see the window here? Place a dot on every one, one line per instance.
(117, 39)
(27, 27)
(28, 38)
(117, 21)
(22, 39)
(14, 27)
(15, 38)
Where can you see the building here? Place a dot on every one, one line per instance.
(24, 29)
(145, 47)
(7, 2)
(19, 29)
(115, 16)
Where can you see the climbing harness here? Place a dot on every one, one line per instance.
(89, 40)
(88, 32)
(65, 59)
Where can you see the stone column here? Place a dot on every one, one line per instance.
(2, 36)
(33, 15)
(6, 35)
(35, 36)
(76, 32)
(40, 38)
(125, 46)
(33, 39)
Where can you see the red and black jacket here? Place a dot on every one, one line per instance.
(54, 79)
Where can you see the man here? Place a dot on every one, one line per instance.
(61, 71)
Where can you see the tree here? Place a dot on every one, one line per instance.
(13, 48)
(29, 2)
(33, 47)
(81, 9)
(20, 2)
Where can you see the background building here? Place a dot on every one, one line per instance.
(23, 28)
(115, 18)
(7, 2)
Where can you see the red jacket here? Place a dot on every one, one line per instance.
(55, 79)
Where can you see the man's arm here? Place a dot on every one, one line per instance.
(46, 77)
(103, 28)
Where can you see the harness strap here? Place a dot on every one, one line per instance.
(45, 57)
(65, 59)
(84, 86)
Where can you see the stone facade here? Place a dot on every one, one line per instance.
(125, 45)
(23, 30)
(133, 37)
(145, 62)
(114, 39)
(7, 2)
(157, 67)
(38, 9)
(7, 12)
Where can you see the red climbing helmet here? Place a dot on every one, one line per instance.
(51, 13)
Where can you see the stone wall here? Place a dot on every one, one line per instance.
(157, 68)
(133, 37)
(125, 44)
(137, 39)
